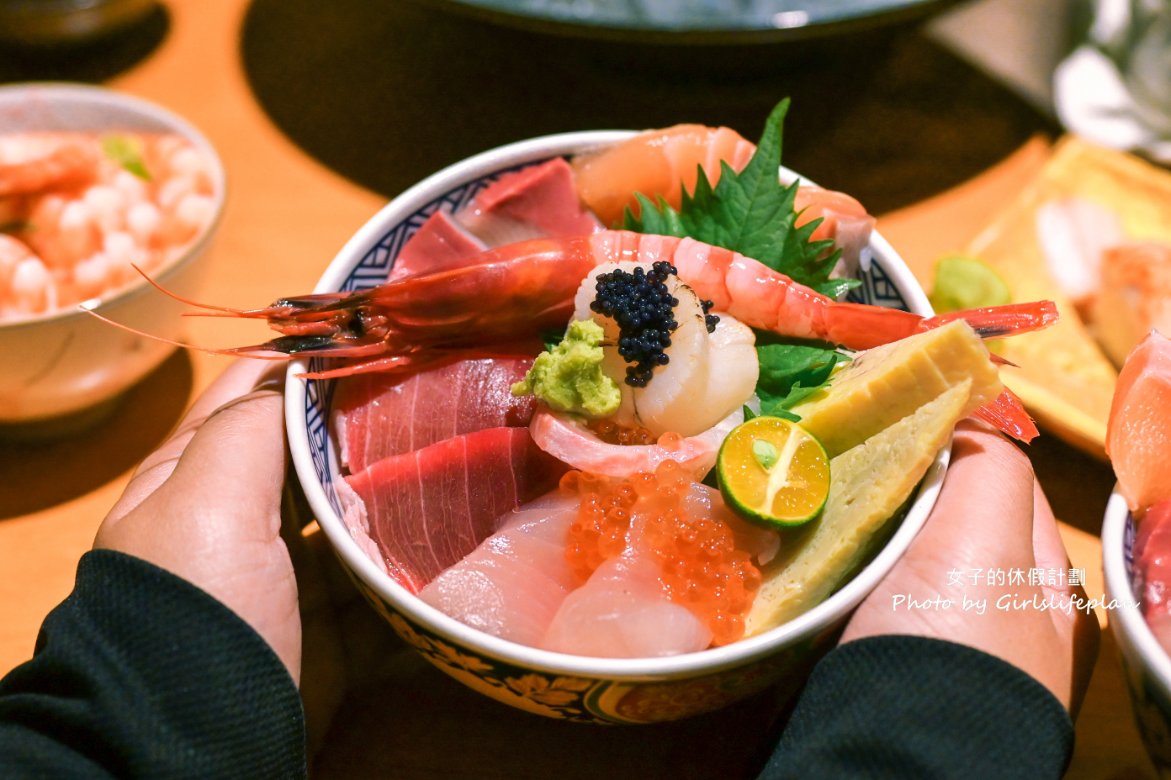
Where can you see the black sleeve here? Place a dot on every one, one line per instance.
(140, 674)
(911, 707)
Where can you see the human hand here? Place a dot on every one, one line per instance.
(206, 505)
(211, 506)
(991, 515)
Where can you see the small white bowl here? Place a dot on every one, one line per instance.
(553, 684)
(67, 366)
(1146, 665)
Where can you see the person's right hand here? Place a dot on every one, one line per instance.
(991, 518)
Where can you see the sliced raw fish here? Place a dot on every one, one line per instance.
(623, 612)
(844, 220)
(514, 582)
(379, 415)
(1152, 562)
(625, 608)
(568, 439)
(440, 243)
(539, 201)
(428, 508)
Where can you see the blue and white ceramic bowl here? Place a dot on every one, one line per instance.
(1146, 666)
(554, 684)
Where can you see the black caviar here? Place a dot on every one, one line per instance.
(644, 310)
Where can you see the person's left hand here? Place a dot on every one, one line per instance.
(206, 505)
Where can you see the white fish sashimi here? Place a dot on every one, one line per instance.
(623, 612)
(514, 582)
(568, 440)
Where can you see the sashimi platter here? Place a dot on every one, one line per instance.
(620, 426)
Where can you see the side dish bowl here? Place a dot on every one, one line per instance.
(548, 683)
(1145, 664)
(65, 365)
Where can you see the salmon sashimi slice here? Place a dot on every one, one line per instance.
(1138, 434)
(656, 163)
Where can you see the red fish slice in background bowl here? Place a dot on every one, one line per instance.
(468, 472)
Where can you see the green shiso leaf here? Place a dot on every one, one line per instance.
(752, 213)
(790, 373)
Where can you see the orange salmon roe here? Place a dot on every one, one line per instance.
(603, 518)
(612, 433)
(701, 567)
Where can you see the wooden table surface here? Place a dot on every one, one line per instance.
(323, 111)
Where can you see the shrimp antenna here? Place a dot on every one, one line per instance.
(175, 296)
(250, 352)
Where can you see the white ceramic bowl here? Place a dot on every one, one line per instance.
(544, 682)
(1146, 666)
(66, 366)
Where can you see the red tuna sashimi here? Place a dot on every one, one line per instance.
(427, 509)
(539, 201)
(514, 582)
(440, 243)
(1152, 562)
(379, 415)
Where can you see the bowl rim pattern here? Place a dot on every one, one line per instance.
(429, 192)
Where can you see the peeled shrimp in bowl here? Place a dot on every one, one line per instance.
(76, 216)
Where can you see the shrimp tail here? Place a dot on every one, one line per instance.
(1007, 414)
(993, 322)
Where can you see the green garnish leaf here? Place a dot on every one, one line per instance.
(752, 213)
(790, 373)
(127, 152)
(765, 453)
(551, 338)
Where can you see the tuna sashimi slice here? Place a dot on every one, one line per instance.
(514, 582)
(440, 243)
(427, 509)
(539, 201)
(379, 415)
